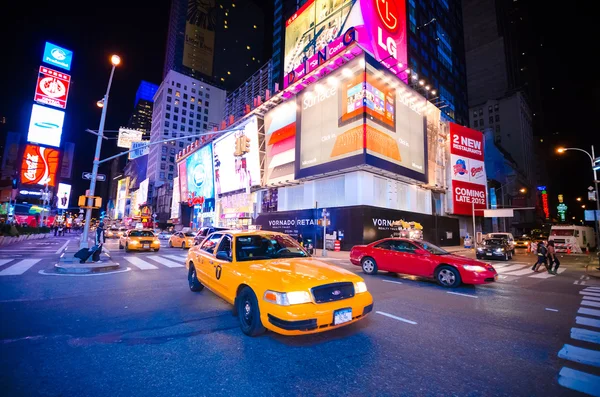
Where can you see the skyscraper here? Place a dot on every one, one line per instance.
(141, 117)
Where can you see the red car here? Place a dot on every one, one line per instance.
(420, 258)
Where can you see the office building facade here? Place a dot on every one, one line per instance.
(141, 117)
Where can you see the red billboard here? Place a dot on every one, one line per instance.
(469, 181)
(39, 165)
(52, 87)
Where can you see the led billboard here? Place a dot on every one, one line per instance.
(142, 193)
(199, 173)
(45, 126)
(127, 136)
(236, 158)
(280, 138)
(58, 56)
(52, 87)
(63, 195)
(199, 43)
(183, 188)
(39, 165)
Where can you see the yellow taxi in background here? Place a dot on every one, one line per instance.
(139, 240)
(181, 239)
(274, 283)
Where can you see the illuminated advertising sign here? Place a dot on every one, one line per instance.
(183, 188)
(175, 206)
(199, 43)
(52, 87)
(311, 33)
(39, 165)
(45, 126)
(127, 136)
(236, 159)
(280, 138)
(63, 195)
(545, 205)
(58, 56)
(469, 181)
(199, 174)
(142, 193)
(122, 193)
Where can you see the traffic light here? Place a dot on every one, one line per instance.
(245, 144)
(238, 146)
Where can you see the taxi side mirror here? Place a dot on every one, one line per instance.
(222, 255)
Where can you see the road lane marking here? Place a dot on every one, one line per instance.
(551, 310)
(176, 257)
(591, 298)
(592, 289)
(590, 303)
(580, 355)
(589, 312)
(579, 381)
(458, 293)
(523, 272)
(396, 317)
(590, 322)
(547, 275)
(392, 281)
(63, 247)
(165, 261)
(19, 267)
(5, 261)
(585, 335)
(589, 294)
(511, 268)
(138, 262)
(43, 272)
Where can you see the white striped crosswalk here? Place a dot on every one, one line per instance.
(152, 262)
(17, 268)
(522, 270)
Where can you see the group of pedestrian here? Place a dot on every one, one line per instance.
(59, 229)
(546, 256)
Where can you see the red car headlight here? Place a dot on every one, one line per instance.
(474, 268)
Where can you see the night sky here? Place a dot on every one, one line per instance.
(136, 30)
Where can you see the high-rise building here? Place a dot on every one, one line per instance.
(183, 106)
(245, 94)
(141, 118)
(220, 42)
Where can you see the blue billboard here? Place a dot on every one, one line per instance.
(57, 56)
(199, 168)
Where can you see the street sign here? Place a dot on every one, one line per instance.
(589, 215)
(590, 188)
(592, 196)
(88, 176)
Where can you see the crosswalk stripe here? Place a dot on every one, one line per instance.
(591, 298)
(547, 275)
(19, 267)
(590, 322)
(589, 294)
(164, 261)
(510, 268)
(138, 262)
(589, 312)
(585, 335)
(592, 289)
(580, 355)
(523, 272)
(4, 261)
(176, 257)
(579, 381)
(590, 303)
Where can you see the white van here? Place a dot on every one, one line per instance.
(573, 237)
(507, 236)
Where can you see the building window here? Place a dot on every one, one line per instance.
(205, 111)
(481, 111)
(490, 109)
(178, 85)
(206, 104)
(176, 101)
(193, 90)
(166, 123)
(200, 93)
(190, 129)
(172, 151)
(207, 95)
(185, 104)
(204, 126)
(167, 115)
(498, 139)
(169, 107)
(163, 166)
(205, 118)
(198, 124)
(168, 99)
(198, 116)
(172, 159)
(163, 158)
(169, 90)
(185, 87)
(180, 144)
(171, 168)
(162, 175)
(475, 114)
(177, 94)
(184, 112)
(475, 123)
(192, 99)
(481, 122)
(191, 122)
(191, 115)
(166, 131)
(182, 128)
(170, 177)
(491, 119)
(183, 120)
(173, 134)
(174, 126)
(498, 129)
(496, 107)
(164, 150)
(185, 96)
(175, 117)
(176, 110)
(497, 117)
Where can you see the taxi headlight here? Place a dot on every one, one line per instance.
(134, 242)
(287, 298)
(360, 287)
(155, 241)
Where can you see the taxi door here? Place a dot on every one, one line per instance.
(224, 270)
(204, 260)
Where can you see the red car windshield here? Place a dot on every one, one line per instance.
(433, 249)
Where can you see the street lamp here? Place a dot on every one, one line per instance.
(578, 198)
(594, 161)
(83, 243)
(522, 190)
(583, 206)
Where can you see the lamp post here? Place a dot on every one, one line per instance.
(115, 60)
(593, 161)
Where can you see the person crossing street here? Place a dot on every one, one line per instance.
(542, 251)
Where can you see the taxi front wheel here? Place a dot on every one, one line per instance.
(193, 282)
(249, 313)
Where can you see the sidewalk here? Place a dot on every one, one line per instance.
(593, 267)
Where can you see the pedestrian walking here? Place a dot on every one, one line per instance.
(542, 251)
(61, 230)
(552, 259)
(100, 240)
(533, 247)
(301, 240)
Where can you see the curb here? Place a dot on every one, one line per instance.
(69, 269)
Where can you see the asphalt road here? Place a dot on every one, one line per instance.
(142, 332)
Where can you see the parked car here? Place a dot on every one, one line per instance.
(273, 283)
(139, 240)
(205, 231)
(507, 236)
(421, 258)
(495, 248)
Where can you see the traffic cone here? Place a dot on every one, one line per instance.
(587, 250)
(568, 249)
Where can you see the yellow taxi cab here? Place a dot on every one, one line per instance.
(139, 240)
(112, 232)
(181, 239)
(274, 283)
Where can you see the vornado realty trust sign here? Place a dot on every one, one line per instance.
(469, 181)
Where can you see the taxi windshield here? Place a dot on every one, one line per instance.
(190, 234)
(141, 233)
(255, 247)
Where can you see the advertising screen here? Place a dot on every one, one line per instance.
(199, 43)
(63, 195)
(45, 126)
(39, 166)
(330, 123)
(280, 138)
(175, 202)
(396, 124)
(122, 193)
(66, 167)
(52, 87)
(469, 181)
(127, 136)
(58, 56)
(199, 173)
(142, 193)
(236, 159)
(182, 174)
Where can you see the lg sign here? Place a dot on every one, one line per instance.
(387, 11)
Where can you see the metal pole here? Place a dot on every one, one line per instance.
(474, 231)
(597, 203)
(83, 243)
(503, 218)
(324, 234)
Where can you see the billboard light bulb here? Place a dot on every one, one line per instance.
(115, 60)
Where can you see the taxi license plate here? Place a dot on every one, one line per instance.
(145, 245)
(342, 316)
(488, 253)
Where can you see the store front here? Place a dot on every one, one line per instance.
(235, 210)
